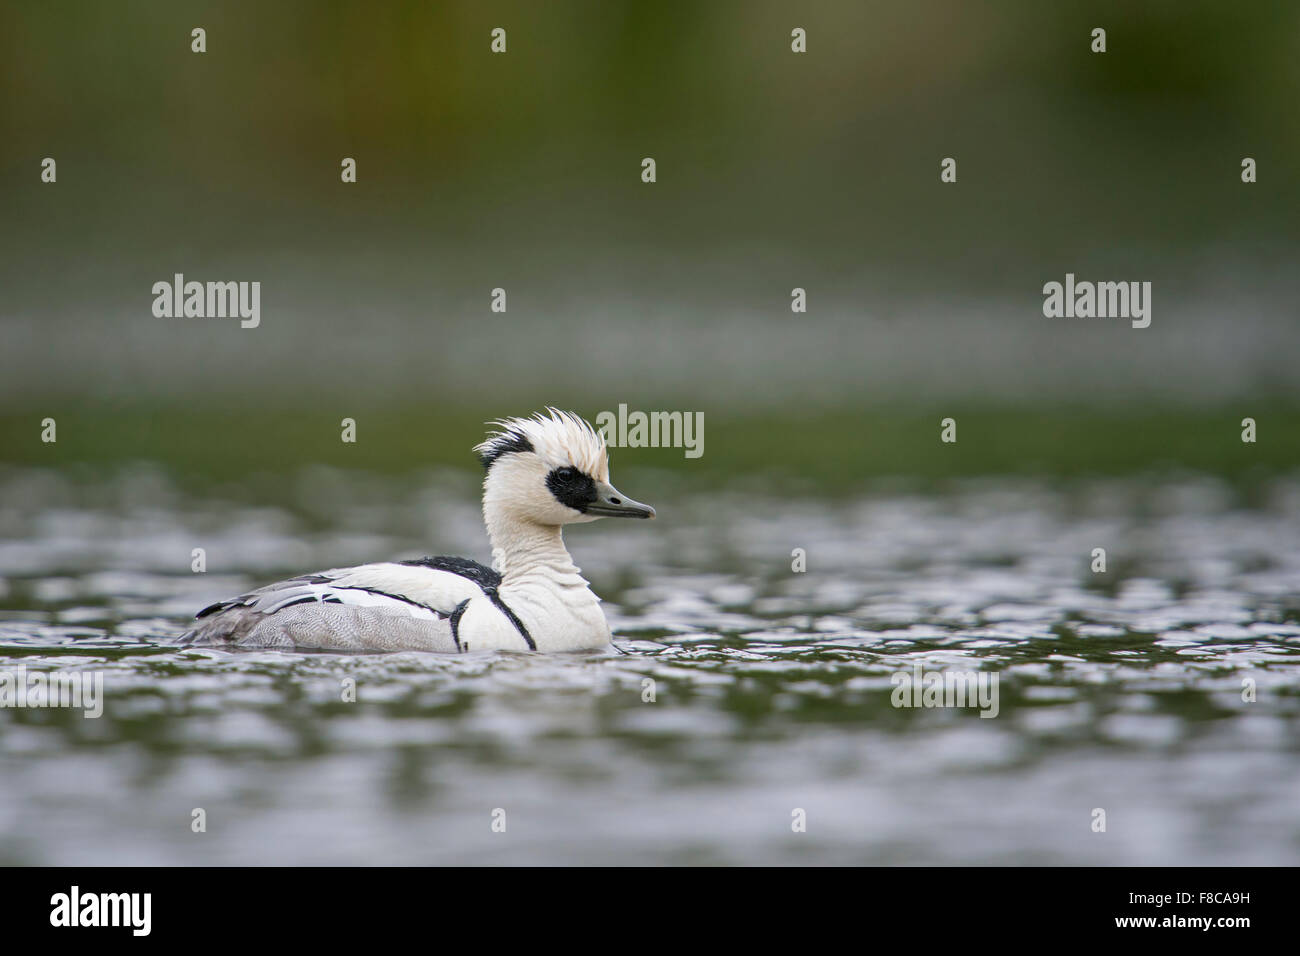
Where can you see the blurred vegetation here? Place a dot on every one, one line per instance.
(829, 451)
(833, 154)
(774, 169)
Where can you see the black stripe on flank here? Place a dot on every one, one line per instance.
(334, 599)
(310, 599)
(514, 618)
(443, 615)
(456, 615)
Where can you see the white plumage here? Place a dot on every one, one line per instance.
(542, 473)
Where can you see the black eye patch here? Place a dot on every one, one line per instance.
(571, 488)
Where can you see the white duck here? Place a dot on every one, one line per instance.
(542, 473)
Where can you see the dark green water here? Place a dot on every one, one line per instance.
(1120, 690)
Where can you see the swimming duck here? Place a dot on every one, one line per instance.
(542, 473)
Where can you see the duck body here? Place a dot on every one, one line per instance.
(431, 604)
(542, 473)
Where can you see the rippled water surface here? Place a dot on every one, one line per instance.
(1120, 690)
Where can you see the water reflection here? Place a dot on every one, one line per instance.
(772, 689)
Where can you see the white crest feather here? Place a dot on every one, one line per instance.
(558, 438)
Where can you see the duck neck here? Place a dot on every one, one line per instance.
(523, 550)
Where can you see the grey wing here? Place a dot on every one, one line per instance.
(371, 607)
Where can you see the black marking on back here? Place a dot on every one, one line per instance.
(480, 574)
(572, 488)
(511, 441)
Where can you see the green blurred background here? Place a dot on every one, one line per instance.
(775, 170)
